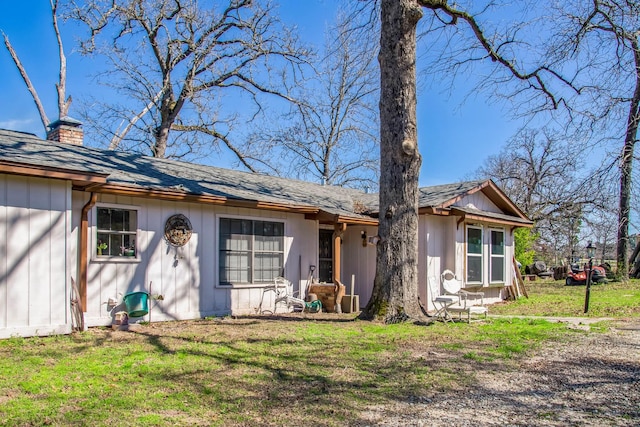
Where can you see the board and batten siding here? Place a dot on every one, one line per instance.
(480, 201)
(35, 269)
(437, 251)
(187, 276)
(358, 261)
(443, 247)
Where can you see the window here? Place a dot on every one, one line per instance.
(497, 256)
(250, 251)
(474, 254)
(116, 232)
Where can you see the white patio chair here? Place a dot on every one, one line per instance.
(283, 294)
(468, 302)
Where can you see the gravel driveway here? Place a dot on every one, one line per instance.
(591, 381)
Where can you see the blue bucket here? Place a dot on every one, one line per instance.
(137, 303)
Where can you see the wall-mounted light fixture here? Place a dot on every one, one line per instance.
(368, 240)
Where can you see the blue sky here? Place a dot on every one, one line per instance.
(454, 137)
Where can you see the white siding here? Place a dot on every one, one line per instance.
(358, 261)
(34, 272)
(445, 243)
(186, 277)
(441, 246)
(438, 235)
(39, 223)
(480, 201)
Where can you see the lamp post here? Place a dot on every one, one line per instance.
(591, 251)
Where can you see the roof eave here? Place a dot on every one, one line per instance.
(460, 196)
(78, 179)
(179, 195)
(324, 217)
(502, 200)
(467, 216)
(434, 210)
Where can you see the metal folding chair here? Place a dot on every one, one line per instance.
(441, 302)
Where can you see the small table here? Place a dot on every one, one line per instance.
(443, 302)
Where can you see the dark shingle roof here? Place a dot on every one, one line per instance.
(133, 170)
(439, 195)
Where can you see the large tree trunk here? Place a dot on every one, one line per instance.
(395, 290)
(625, 193)
(624, 210)
(625, 171)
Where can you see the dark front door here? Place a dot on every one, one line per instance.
(325, 272)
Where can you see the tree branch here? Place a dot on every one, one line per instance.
(118, 136)
(63, 104)
(535, 77)
(27, 81)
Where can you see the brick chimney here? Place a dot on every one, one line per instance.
(66, 130)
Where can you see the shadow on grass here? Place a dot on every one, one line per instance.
(288, 370)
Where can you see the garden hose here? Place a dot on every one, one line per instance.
(313, 306)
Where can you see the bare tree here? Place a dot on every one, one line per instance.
(581, 56)
(603, 232)
(610, 28)
(63, 102)
(174, 61)
(545, 175)
(537, 170)
(330, 133)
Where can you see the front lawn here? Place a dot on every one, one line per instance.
(553, 298)
(298, 370)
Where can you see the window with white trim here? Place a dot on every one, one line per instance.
(116, 231)
(474, 254)
(250, 251)
(496, 265)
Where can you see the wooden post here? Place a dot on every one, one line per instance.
(339, 229)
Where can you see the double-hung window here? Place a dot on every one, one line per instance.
(251, 251)
(116, 232)
(497, 256)
(474, 254)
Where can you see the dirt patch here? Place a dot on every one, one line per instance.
(592, 380)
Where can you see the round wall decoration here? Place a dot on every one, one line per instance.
(177, 230)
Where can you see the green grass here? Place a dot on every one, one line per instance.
(246, 371)
(549, 298)
(302, 370)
